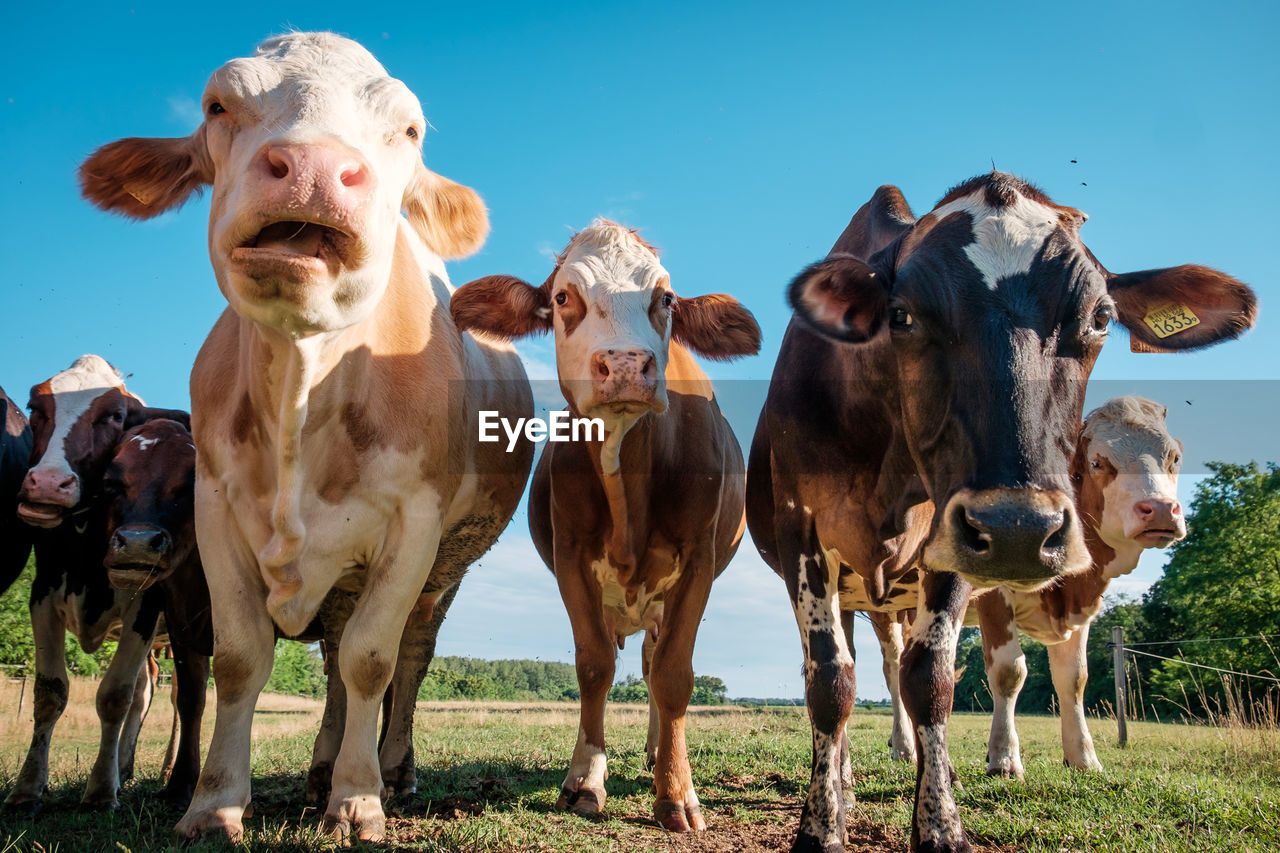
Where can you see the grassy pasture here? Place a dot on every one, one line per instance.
(489, 776)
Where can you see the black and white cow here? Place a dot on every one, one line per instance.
(15, 452)
(77, 418)
(939, 364)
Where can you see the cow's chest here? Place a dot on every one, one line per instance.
(634, 604)
(91, 622)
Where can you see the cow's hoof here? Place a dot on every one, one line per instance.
(400, 780)
(224, 823)
(1004, 770)
(319, 782)
(806, 843)
(178, 795)
(650, 759)
(588, 802)
(362, 813)
(23, 806)
(99, 802)
(679, 817)
(904, 756)
(961, 845)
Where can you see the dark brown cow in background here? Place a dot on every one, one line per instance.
(150, 505)
(636, 522)
(15, 453)
(923, 412)
(77, 418)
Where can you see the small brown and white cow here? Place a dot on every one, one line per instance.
(77, 419)
(637, 525)
(334, 402)
(1125, 474)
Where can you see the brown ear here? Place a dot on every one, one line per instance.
(715, 326)
(137, 413)
(449, 217)
(503, 306)
(1160, 308)
(840, 297)
(143, 178)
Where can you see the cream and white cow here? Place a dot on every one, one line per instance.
(335, 403)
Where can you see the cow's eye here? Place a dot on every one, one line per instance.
(412, 133)
(1102, 317)
(900, 319)
(1096, 464)
(1176, 460)
(667, 300)
(562, 298)
(216, 109)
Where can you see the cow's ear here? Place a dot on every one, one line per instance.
(503, 306)
(715, 326)
(841, 297)
(143, 178)
(449, 217)
(1182, 308)
(136, 414)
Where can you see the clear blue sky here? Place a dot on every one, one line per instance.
(740, 136)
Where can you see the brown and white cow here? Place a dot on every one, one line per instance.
(15, 454)
(334, 402)
(923, 412)
(151, 543)
(77, 418)
(636, 521)
(1125, 473)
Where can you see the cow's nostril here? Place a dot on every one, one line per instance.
(118, 542)
(352, 176)
(972, 534)
(599, 367)
(1144, 508)
(67, 485)
(1057, 538)
(158, 542)
(277, 164)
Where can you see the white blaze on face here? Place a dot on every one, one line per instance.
(329, 93)
(615, 276)
(1006, 240)
(74, 391)
(1128, 436)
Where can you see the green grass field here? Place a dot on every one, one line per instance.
(489, 776)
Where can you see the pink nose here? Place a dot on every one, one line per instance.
(624, 376)
(300, 171)
(50, 487)
(1150, 511)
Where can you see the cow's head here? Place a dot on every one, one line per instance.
(614, 314)
(312, 151)
(995, 313)
(1125, 471)
(149, 488)
(77, 418)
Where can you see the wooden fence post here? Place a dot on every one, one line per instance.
(1117, 651)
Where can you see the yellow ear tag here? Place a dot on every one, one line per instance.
(1170, 319)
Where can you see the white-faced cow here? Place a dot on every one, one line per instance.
(151, 543)
(335, 402)
(1125, 473)
(77, 418)
(635, 522)
(922, 413)
(15, 454)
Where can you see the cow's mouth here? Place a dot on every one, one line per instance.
(135, 575)
(40, 515)
(296, 243)
(1158, 537)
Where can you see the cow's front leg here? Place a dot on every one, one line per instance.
(115, 697)
(144, 690)
(334, 613)
(676, 806)
(417, 648)
(928, 687)
(367, 658)
(243, 651)
(190, 680)
(1070, 671)
(49, 699)
(1006, 673)
(889, 632)
(594, 652)
(828, 675)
